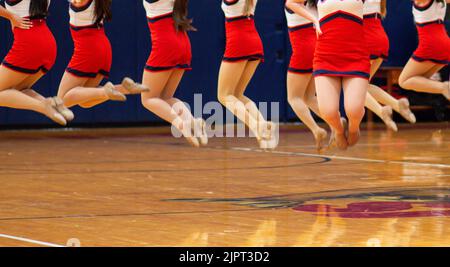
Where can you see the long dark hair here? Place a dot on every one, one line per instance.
(383, 8)
(38, 8)
(248, 6)
(180, 16)
(102, 11)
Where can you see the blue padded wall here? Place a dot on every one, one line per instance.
(130, 39)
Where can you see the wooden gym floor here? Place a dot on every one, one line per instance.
(142, 187)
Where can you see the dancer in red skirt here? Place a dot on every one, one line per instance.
(301, 18)
(92, 58)
(378, 44)
(244, 51)
(433, 52)
(169, 59)
(341, 60)
(32, 55)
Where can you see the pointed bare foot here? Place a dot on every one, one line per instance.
(320, 136)
(353, 138)
(62, 109)
(265, 130)
(200, 131)
(405, 110)
(52, 113)
(187, 131)
(386, 116)
(133, 88)
(113, 94)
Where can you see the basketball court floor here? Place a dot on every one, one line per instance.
(142, 187)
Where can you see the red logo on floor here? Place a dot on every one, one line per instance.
(356, 203)
(384, 209)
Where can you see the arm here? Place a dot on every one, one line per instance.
(15, 20)
(299, 8)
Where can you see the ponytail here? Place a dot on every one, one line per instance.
(38, 9)
(180, 16)
(102, 11)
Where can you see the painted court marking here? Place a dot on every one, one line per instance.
(435, 165)
(32, 241)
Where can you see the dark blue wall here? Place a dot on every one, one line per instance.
(130, 39)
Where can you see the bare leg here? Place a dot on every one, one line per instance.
(298, 85)
(13, 98)
(355, 90)
(197, 124)
(246, 77)
(385, 113)
(415, 76)
(311, 98)
(399, 105)
(328, 95)
(168, 93)
(229, 77)
(81, 91)
(154, 102)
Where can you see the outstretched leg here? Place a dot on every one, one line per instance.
(13, 98)
(416, 76)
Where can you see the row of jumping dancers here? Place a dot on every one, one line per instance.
(337, 44)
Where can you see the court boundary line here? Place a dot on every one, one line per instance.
(423, 164)
(31, 241)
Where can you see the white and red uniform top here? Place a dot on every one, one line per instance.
(372, 8)
(158, 8)
(295, 21)
(434, 12)
(236, 8)
(328, 7)
(341, 50)
(82, 16)
(20, 8)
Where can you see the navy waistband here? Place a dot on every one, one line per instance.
(439, 21)
(299, 27)
(373, 16)
(79, 28)
(155, 19)
(239, 18)
(341, 15)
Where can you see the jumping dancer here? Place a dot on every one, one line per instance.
(301, 18)
(244, 51)
(92, 58)
(378, 44)
(169, 59)
(341, 60)
(433, 52)
(32, 55)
